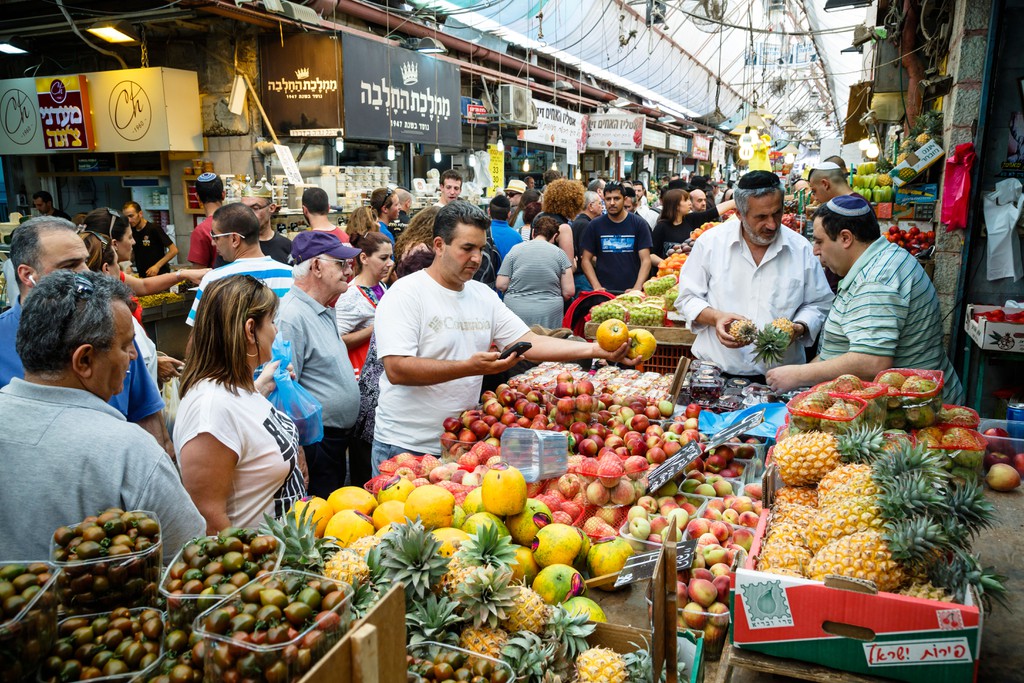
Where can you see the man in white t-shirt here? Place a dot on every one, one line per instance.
(451, 187)
(435, 330)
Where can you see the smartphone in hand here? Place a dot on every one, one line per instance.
(518, 348)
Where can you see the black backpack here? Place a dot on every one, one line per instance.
(490, 262)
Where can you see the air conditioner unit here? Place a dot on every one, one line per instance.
(515, 105)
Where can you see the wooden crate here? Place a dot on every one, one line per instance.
(373, 651)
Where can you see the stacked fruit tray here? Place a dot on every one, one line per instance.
(29, 616)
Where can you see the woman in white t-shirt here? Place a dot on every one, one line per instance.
(356, 307)
(239, 456)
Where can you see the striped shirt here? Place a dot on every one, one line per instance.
(887, 306)
(275, 275)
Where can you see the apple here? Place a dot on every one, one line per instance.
(640, 528)
(470, 416)
(691, 424)
(702, 592)
(565, 389)
(749, 519)
(717, 504)
(666, 408)
(1018, 462)
(731, 516)
(497, 430)
(698, 527)
(658, 524)
(713, 554)
(681, 519)
(693, 615)
(656, 456)
(715, 463)
(996, 431)
(706, 490)
(720, 569)
(469, 436)
(744, 538)
(451, 424)
(667, 507)
(531, 411)
(993, 457)
(692, 410)
(652, 412)
(676, 428)
(1002, 477)
(625, 413)
(637, 511)
(493, 408)
(722, 487)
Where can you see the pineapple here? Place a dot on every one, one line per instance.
(802, 495)
(772, 341)
(780, 556)
(786, 532)
(488, 547)
(486, 599)
(528, 613)
(363, 598)
(842, 518)
(925, 589)
(435, 619)
(302, 549)
(743, 331)
(803, 459)
(844, 481)
(528, 656)
(785, 325)
(410, 554)
(365, 544)
(922, 138)
(793, 513)
(567, 632)
(347, 565)
(601, 665)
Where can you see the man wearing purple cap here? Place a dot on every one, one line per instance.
(886, 312)
(323, 267)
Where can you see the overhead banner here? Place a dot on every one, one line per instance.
(474, 112)
(701, 147)
(301, 83)
(64, 113)
(128, 110)
(655, 138)
(616, 131)
(417, 100)
(556, 126)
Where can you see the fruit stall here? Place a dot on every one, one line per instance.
(537, 544)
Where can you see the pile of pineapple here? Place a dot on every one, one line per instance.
(770, 342)
(467, 599)
(859, 506)
(927, 126)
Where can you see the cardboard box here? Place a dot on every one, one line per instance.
(1006, 337)
(911, 167)
(848, 626)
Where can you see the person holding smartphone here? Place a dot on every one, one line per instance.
(435, 331)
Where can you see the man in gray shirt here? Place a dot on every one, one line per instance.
(323, 267)
(66, 452)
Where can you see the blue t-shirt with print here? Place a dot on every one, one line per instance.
(617, 248)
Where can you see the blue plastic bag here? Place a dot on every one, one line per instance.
(774, 417)
(293, 400)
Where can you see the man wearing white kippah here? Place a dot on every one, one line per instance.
(886, 312)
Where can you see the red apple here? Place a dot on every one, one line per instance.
(480, 428)
(656, 456)
(587, 447)
(992, 458)
(671, 448)
(652, 413)
(639, 423)
(497, 430)
(692, 410)
(1002, 477)
(451, 424)
(1018, 463)
(489, 420)
(996, 431)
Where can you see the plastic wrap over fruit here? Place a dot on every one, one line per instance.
(963, 449)
(823, 411)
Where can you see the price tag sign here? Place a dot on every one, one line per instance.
(673, 466)
(291, 169)
(735, 429)
(640, 567)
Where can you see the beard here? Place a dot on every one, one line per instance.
(757, 239)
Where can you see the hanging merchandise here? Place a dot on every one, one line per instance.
(956, 190)
(759, 161)
(1002, 212)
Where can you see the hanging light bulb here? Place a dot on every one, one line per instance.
(790, 158)
(472, 160)
(391, 152)
(554, 165)
(526, 165)
(501, 145)
(437, 155)
(579, 173)
(872, 151)
(339, 145)
(864, 144)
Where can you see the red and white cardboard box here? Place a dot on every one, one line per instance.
(879, 634)
(1008, 337)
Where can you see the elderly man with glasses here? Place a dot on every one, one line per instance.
(306, 318)
(67, 451)
(236, 237)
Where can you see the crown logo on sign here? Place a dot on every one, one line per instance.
(302, 73)
(410, 73)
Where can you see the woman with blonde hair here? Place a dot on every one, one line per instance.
(563, 200)
(419, 235)
(361, 222)
(239, 456)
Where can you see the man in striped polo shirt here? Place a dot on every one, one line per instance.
(886, 312)
(236, 236)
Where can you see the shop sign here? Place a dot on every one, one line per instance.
(717, 151)
(497, 166)
(64, 113)
(655, 139)
(701, 147)
(398, 94)
(616, 131)
(124, 111)
(556, 126)
(300, 85)
(678, 143)
(474, 113)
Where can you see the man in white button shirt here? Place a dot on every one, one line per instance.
(753, 268)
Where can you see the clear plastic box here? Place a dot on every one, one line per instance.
(139, 670)
(538, 454)
(182, 607)
(279, 658)
(464, 658)
(27, 636)
(104, 583)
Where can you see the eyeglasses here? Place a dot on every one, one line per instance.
(346, 263)
(104, 240)
(83, 288)
(258, 207)
(258, 287)
(216, 235)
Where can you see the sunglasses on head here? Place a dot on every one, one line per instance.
(83, 288)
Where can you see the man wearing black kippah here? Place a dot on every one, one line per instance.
(752, 268)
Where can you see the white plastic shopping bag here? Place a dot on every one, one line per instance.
(1002, 211)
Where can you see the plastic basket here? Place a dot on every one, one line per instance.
(466, 659)
(142, 669)
(666, 358)
(27, 636)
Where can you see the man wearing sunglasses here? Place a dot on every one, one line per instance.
(235, 235)
(42, 246)
(306, 318)
(72, 452)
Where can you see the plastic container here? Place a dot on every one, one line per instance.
(538, 454)
(645, 546)
(104, 583)
(464, 658)
(289, 659)
(912, 408)
(804, 418)
(712, 627)
(1008, 445)
(68, 644)
(964, 454)
(26, 637)
(182, 607)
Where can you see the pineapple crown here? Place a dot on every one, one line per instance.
(528, 655)
(962, 572)
(862, 444)
(486, 596)
(363, 598)
(410, 553)
(297, 532)
(915, 541)
(771, 343)
(970, 507)
(569, 629)
(910, 494)
(436, 619)
(640, 665)
(488, 547)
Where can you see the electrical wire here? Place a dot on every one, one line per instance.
(78, 33)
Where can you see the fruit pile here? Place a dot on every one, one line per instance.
(28, 617)
(612, 334)
(875, 395)
(117, 643)
(439, 663)
(153, 300)
(672, 264)
(872, 185)
(853, 505)
(209, 568)
(275, 628)
(914, 397)
(108, 560)
(703, 596)
(914, 240)
(816, 410)
(696, 233)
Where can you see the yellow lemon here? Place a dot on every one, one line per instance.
(349, 525)
(432, 504)
(389, 512)
(320, 509)
(352, 498)
(396, 488)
